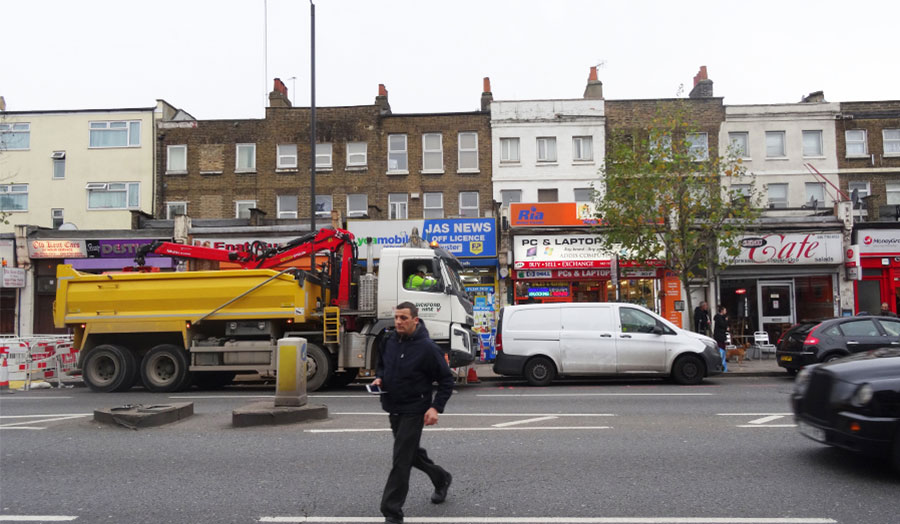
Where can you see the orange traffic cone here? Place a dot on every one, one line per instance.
(472, 377)
(4, 376)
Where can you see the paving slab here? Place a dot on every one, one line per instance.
(265, 413)
(141, 416)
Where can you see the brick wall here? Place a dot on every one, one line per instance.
(633, 117)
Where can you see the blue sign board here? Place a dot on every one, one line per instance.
(464, 237)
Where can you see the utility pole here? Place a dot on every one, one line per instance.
(312, 130)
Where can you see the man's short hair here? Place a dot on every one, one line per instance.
(413, 310)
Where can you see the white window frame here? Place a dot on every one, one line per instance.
(237, 158)
(434, 210)
(8, 129)
(18, 189)
(821, 144)
(463, 209)
(358, 164)
(176, 170)
(894, 142)
(542, 151)
(286, 157)
(132, 192)
(398, 154)
(814, 189)
(58, 160)
(892, 193)
(352, 212)
(506, 150)
(467, 151)
(57, 213)
(324, 198)
(172, 206)
(547, 190)
(583, 149)
(576, 190)
(398, 209)
(279, 208)
(324, 156)
(864, 142)
(433, 153)
(744, 151)
(864, 189)
(661, 148)
(778, 203)
(132, 138)
(783, 154)
(505, 202)
(249, 204)
(741, 189)
(698, 146)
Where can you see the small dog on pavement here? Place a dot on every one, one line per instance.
(738, 352)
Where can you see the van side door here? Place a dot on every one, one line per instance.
(532, 331)
(586, 340)
(640, 342)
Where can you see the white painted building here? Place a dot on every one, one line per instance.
(783, 145)
(548, 150)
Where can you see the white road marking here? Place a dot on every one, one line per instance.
(763, 420)
(526, 421)
(200, 397)
(767, 426)
(42, 419)
(489, 414)
(48, 415)
(16, 397)
(594, 394)
(753, 414)
(561, 520)
(36, 518)
(377, 430)
(760, 422)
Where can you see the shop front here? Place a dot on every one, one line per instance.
(874, 261)
(12, 281)
(779, 279)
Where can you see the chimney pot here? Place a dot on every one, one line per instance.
(594, 88)
(703, 86)
(593, 76)
(487, 84)
(486, 96)
(382, 91)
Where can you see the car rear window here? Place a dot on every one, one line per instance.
(860, 328)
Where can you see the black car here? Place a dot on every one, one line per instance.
(822, 341)
(852, 403)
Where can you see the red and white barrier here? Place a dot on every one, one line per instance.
(38, 358)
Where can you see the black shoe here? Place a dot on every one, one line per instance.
(440, 493)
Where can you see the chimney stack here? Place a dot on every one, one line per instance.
(594, 88)
(278, 97)
(382, 100)
(486, 96)
(703, 86)
(814, 97)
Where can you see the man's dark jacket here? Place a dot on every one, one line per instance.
(407, 368)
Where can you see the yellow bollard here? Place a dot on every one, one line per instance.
(290, 378)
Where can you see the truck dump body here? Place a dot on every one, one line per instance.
(182, 296)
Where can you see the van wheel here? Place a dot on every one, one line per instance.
(108, 367)
(318, 367)
(165, 369)
(540, 371)
(688, 370)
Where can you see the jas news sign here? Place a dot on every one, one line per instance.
(788, 248)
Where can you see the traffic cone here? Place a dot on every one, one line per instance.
(4, 377)
(472, 377)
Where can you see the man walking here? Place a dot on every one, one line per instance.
(701, 318)
(410, 363)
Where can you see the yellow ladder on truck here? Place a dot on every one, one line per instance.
(332, 331)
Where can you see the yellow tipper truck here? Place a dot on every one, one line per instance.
(169, 330)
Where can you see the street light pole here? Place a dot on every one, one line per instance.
(312, 130)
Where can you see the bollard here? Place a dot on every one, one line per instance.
(290, 377)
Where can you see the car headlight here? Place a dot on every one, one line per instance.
(802, 381)
(862, 396)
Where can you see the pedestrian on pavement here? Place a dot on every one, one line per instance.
(701, 318)
(410, 363)
(886, 310)
(720, 327)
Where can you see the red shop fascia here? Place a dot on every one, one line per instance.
(874, 262)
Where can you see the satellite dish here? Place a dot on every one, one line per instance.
(68, 226)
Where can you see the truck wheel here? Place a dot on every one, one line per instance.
(108, 367)
(688, 370)
(213, 379)
(165, 369)
(318, 367)
(341, 379)
(540, 371)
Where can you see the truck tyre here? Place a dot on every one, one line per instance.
(688, 370)
(165, 369)
(213, 379)
(318, 367)
(108, 368)
(540, 371)
(341, 379)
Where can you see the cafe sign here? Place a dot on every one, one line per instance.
(788, 249)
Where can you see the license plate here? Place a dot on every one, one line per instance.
(812, 431)
(786, 358)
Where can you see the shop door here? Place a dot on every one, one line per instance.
(776, 306)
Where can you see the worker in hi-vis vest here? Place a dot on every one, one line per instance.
(420, 280)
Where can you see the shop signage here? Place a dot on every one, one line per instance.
(240, 243)
(465, 237)
(552, 214)
(113, 248)
(12, 277)
(552, 291)
(582, 274)
(878, 241)
(57, 249)
(789, 248)
(560, 252)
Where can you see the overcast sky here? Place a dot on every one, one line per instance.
(207, 56)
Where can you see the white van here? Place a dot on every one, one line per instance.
(543, 341)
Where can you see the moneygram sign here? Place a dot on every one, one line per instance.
(878, 241)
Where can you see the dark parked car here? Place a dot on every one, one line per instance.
(853, 403)
(822, 341)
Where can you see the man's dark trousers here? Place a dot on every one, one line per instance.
(407, 430)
